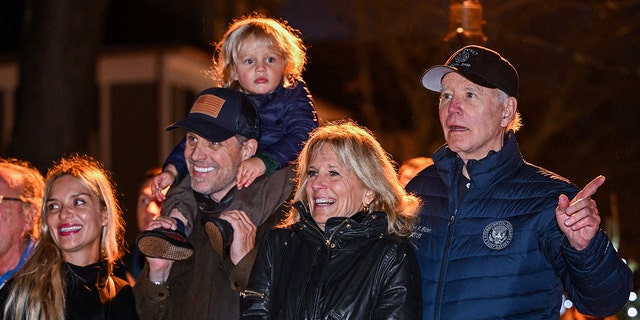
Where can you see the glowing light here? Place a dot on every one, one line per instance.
(568, 304)
(633, 296)
(632, 312)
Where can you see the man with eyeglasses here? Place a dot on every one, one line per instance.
(21, 191)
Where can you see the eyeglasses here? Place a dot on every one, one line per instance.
(2, 198)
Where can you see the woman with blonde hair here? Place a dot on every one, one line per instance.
(343, 252)
(69, 274)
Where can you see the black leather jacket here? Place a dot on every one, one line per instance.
(352, 270)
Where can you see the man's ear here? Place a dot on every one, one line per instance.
(249, 149)
(509, 111)
(31, 213)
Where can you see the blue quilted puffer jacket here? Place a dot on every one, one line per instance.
(287, 116)
(499, 253)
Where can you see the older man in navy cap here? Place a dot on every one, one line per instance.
(184, 278)
(499, 237)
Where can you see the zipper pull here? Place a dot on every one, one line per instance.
(251, 293)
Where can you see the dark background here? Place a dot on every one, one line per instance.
(578, 65)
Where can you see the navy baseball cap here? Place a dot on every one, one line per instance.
(479, 65)
(218, 114)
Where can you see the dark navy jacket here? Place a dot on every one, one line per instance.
(499, 253)
(287, 116)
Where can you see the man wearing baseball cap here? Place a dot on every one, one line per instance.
(183, 277)
(499, 238)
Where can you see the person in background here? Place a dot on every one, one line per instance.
(499, 238)
(263, 58)
(343, 252)
(222, 130)
(21, 188)
(411, 167)
(147, 209)
(68, 275)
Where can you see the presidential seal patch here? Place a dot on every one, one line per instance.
(497, 235)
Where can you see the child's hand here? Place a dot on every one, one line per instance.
(159, 183)
(249, 171)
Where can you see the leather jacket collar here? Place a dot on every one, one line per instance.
(342, 229)
(210, 206)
